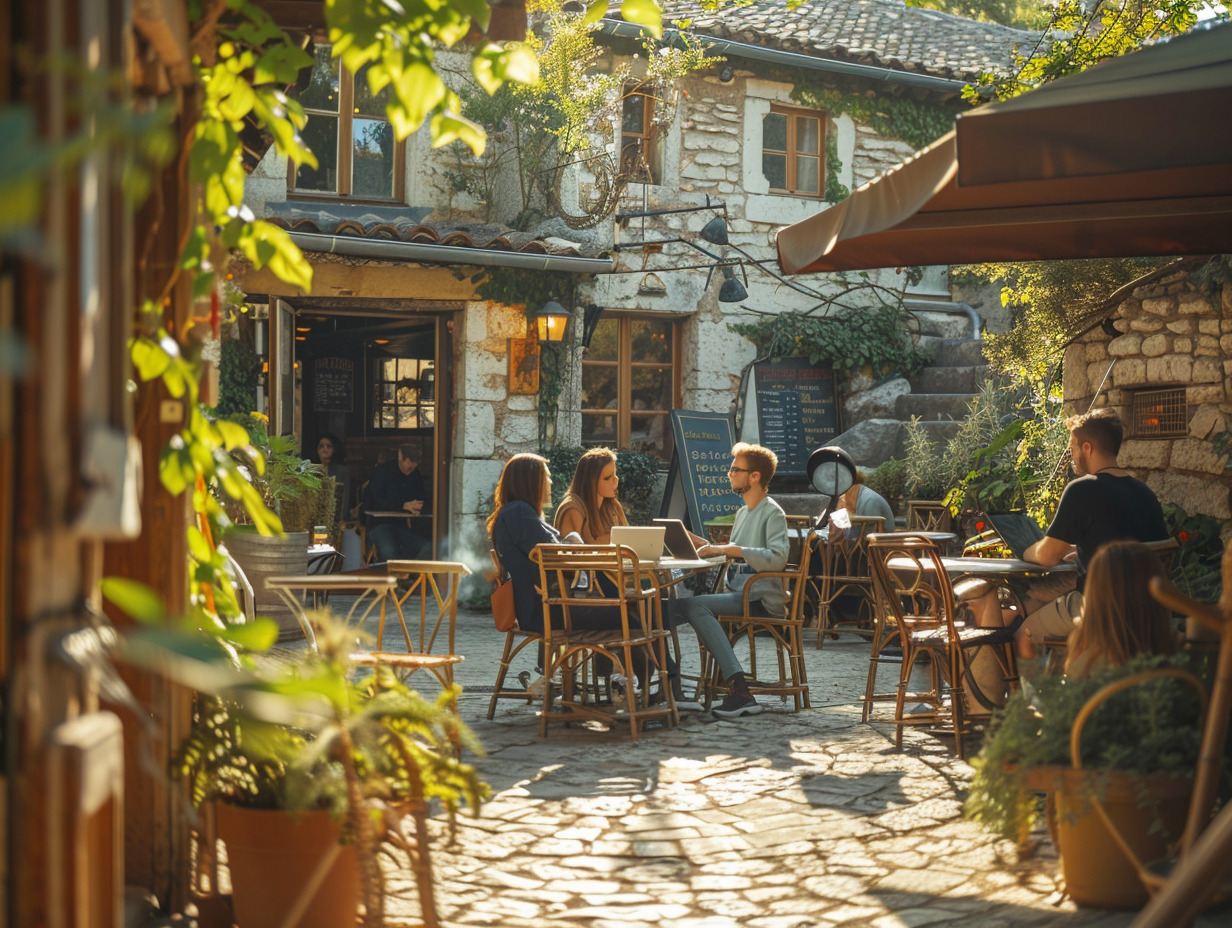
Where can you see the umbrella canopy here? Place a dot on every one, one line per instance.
(1132, 157)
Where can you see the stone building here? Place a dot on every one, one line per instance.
(1163, 362)
(807, 103)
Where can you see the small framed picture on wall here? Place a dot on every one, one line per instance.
(523, 365)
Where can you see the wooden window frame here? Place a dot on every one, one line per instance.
(345, 116)
(648, 138)
(624, 366)
(792, 152)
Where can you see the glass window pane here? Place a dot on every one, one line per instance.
(774, 132)
(372, 172)
(321, 90)
(320, 135)
(808, 135)
(598, 387)
(366, 103)
(774, 167)
(807, 170)
(633, 114)
(427, 417)
(650, 433)
(385, 417)
(603, 343)
(407, 418)
(598, 429)
(652, 388)
(652, 341)
(388, 369)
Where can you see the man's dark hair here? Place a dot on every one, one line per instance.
(410, 452)
(1101, 427)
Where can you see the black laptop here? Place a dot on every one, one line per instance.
(1017, 529)
(677, 539)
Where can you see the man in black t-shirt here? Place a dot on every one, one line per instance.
(1103, 503)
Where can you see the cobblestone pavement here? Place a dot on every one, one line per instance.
(782, 820)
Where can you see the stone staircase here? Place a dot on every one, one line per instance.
(938, 395)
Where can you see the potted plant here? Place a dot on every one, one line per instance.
(1137, 730)
(300, 497)
(310, 774)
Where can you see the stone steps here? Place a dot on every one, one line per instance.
(932, 406)
(966, 379)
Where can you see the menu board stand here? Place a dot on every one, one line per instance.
(697, 486)
(796, 412)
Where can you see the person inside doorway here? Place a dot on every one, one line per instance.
(397, 486)
(331, 455)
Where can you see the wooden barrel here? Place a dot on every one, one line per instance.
(263, 556)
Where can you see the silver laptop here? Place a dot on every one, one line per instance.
(645, 541)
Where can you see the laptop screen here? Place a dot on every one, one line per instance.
(1017, 529)
(677, 538)
(646, 542)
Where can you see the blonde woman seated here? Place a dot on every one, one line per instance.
(591, 508)
(1120, 618)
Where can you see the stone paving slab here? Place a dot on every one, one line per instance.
(781, 820)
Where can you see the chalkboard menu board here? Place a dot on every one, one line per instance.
(333, 385)
(795, 409)
(703, 454)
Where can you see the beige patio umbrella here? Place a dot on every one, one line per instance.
(1132, 157)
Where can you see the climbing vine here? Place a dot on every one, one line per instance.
(834, 190)
(916, 123)
(850, 340)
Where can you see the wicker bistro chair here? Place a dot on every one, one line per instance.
(786, 633)
(918, 611)
(568, 651)
(843, 571)
(924, 515)
(516, 639)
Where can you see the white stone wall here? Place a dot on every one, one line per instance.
(1171, 336)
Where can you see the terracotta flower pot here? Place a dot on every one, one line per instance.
(273, 856)
(1096, 870)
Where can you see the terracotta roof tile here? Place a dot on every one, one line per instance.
(886, 33)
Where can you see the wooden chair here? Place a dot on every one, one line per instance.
(516, 639)
(925, 515)
(568, 651)
(844, 571)
(917, 609)
(786, 633)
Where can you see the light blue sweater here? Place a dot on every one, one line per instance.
(762, 534)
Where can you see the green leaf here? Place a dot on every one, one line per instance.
(232, 434)
(450, 127)
(137, 600)
(646, 13)
(175, 470)
(198, 547)
(418, 92)
(149, 358)
(284, 257)
(255, 635)
(595, 12)
(238, 103)
(281, 65)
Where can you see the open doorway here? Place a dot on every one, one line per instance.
(367, 380)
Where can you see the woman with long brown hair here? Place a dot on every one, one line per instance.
(1120, 618)
(591, 508)
(516, 526)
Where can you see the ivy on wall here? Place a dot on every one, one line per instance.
(917, 123)
(516, 287)
(850, 340)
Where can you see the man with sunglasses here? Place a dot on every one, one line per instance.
(758, 542)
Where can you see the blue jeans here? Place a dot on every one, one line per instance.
(395, 541)
(701, 612)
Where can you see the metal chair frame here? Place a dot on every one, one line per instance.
(845, 569)
(568, 652)
(785, 632)
(917, 597)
